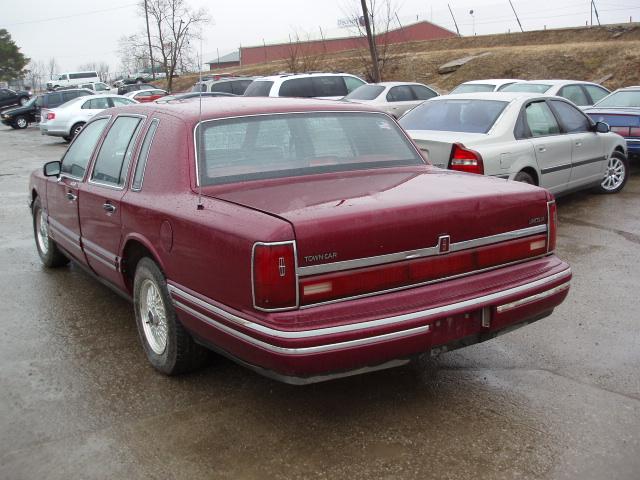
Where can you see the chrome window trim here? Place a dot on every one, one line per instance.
(113, 186)
(419, 253)
(385, 321)
(144, 167)
(295, 270)
(411, 143)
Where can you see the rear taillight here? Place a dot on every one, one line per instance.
(274, 276)
(634, 132)
(552, 226)
(465, 160)
(51, 115)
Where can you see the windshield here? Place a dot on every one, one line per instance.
(365, 92)
(295, 144)
(473, 87)
(472, 116)
(258, 89)
(628, 98)
(527, 87)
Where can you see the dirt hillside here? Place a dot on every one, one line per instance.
(608, 54)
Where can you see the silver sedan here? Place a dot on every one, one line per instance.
(395, 98)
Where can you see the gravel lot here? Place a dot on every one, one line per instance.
(557, 399)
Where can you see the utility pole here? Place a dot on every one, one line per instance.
(146, 16)
(454, 19)
(593, 4)
(372, 43)
(514, 12)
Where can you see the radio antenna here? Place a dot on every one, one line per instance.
(200, 148)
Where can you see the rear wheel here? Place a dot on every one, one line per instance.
(75, 130)
(167, 344)
(21, 122)
(616, 174)
(49, 253)
(524, 177)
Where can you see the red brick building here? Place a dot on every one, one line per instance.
(409, 33)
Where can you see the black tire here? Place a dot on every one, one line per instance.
(21, 122)
(75, 130)
(50, 254)
(616, 174)
(66, 139)
(181, 353)
(524, 177)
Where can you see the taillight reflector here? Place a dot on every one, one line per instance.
(465, 160)
(51, 115)
(624, 131)
(634, 132)
(274, 276)
(552, 225)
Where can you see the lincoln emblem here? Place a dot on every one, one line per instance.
(444, 242)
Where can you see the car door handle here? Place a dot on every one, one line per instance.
(109, 207)
(72, 196)
(578, 144)
(542, 149)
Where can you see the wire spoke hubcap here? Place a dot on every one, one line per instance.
(153, 316)
(42, 232)
(614, 174)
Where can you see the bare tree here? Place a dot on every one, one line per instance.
(133, 52)
(302, 55)
(382, 13)
(35, 71)
(52, 67)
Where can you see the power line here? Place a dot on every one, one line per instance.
(51, 19)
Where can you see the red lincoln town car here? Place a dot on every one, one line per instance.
(305, 239)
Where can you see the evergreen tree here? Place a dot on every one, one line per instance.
(12, 62)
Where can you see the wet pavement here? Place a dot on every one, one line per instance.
(557, 399)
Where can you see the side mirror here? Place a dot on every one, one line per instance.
(51, 169)
(602, 127)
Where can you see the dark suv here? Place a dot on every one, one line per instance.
(21, 117)
(9, 98)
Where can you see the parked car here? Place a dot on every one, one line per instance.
(67, 120)
(99, 87)
(487, 85)
(541, 140)
(621, 111)
(256, 248)
(9, 98)
(237, 86)
(583, 94)
(395, 98)
(319, 85)
(145, 96)
(21, 117)
(72, 79)
(188, 95)
(134, 87)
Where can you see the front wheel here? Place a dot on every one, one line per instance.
(524, 177)
(23, 101)
(49, 253)
(167, 344)
(21, 122)
(75, 130)
(616, 174)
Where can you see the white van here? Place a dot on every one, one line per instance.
(72, 79)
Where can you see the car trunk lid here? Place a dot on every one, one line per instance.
(437, 145)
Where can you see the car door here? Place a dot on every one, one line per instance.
(552, 148)
(400, 99)
(588, 160)
(63, 195)
(99, 210)
(5, 97)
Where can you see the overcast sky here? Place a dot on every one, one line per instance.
(76, 31)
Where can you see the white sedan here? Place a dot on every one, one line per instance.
(486, 85)
(583, 94)
(542, 140)
(395, 98)
(68, 119)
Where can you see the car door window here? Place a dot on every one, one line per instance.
(575, 94)
(352, 83)
(120, 102)
(572, 119)
(329, 87)
(401, 93)
(144, 154)
(596, 93)
(96, 104)
(238, 87)
(77, 157)
(66, 96)
(422, 93)
(540, 120)
(53, 100)
(221, 87)
(115, 154)
(297, 87)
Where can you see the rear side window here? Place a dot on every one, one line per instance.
(115, 154)
(297, 87)
(239, 86)
(258, 89)
(572, 119)
(221, 87)
(422, 93)
(77, 157)
(596, 93)
(540, 120)
(144, 154)
(575, 94)
(401, 93)
(120, 102)
(96, 104)
(328, 87)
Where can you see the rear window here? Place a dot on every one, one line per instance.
(258, 89)
(365, 92)
(621, 99)
(527, 87)
(472, 116)
(473, 87)
(289, 145)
